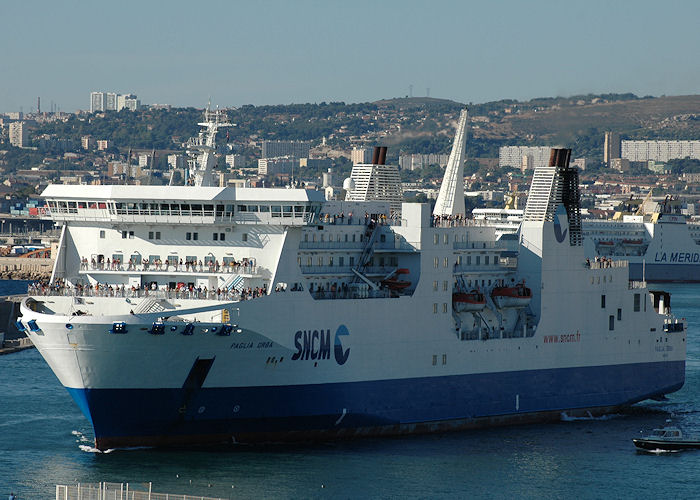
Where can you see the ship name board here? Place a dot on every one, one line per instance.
(678, 257)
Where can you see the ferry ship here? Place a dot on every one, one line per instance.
(659, 242)
(660, 245)
(181, 315)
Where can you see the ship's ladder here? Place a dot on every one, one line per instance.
(151, 305)
(368, 249)
(234, 282)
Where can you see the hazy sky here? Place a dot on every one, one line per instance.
(280, 52)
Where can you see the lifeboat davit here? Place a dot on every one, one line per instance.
(511, 296)
(468, 301)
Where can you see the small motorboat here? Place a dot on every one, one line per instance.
(667, 439)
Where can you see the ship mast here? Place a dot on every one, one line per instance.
(202, 148)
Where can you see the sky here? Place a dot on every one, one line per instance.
(281, 52)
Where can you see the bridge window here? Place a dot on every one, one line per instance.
(602, 301)
(611, 323)
(637, 301)
(619, 314)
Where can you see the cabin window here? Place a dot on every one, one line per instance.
(252, 208)
(444, 286)
(436, 238)
(172, 260)
(150, 235)
(341, 261)
(288, 211)
(352, 261)
(469, 260)
(436, 262)
(276, 210)
(611, 323)
(306, 237)
(265, 208)
(619, 314)
(81, 204)
(602, 301)
(435, 307)
(102, 234)
(188, 236)
(208, 259)
(222, 236)
(195, 236)
(637, 301)
(446, 262)
(434, 359)
(330, 261)
(444, 307)
(346, 237)
(153, 258)
(435, 286)
(309, 261)
(242, 208)
(445, 238)
(216, 236)
(135, 259)
(444, 359)
(117, 259)
(478, 260)
(353, 238)
(382, 238)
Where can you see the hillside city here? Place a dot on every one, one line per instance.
(622, 144)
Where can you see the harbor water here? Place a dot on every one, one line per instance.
(45, 440)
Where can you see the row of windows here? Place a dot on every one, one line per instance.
(189, 236)
(340, 261)
(446, 238)
(468, 262)
(180, 209)
(444, 307)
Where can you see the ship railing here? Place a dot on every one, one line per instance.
(249, 269)
(351, 294)
(118, 491)
(634, 285)
(607, 264)
(134, 293)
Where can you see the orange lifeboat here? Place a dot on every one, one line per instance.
(394, 283)
(468, 301)
(511, 296)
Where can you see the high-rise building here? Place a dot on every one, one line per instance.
(660, 150)
(111, 101)
(361, 156)
(612, 147)
(176, 161)
(97, 101)
(418, 161)
(19, 135)
(279, 165)
(87, 142)
(512, 156)
(274, 149)
(235, 161)
(128, 101)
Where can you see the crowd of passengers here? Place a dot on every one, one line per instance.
(340, 219)
(450, 220)
(245, 265)
(152, 290)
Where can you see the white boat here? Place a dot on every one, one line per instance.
(195, 314)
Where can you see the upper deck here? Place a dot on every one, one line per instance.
(183, 205)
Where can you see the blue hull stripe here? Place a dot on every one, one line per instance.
(676, 273)
(131, 417)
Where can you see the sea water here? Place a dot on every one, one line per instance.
(45, 440)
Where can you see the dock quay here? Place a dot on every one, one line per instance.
(118, 491)
(19, 268)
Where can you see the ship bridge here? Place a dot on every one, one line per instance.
(183, 205)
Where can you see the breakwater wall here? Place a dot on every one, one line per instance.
(19, 268)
